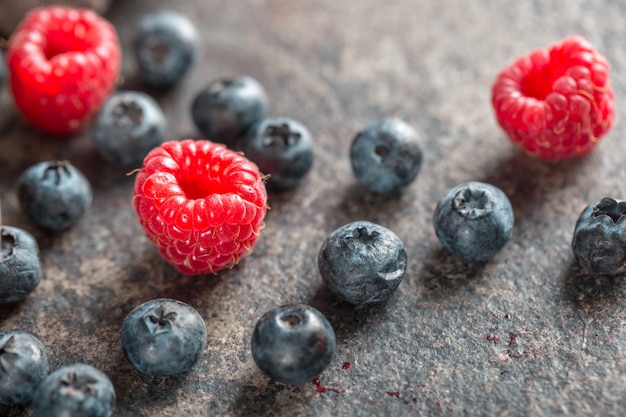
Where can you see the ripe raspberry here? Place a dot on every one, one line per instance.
(202, 204)
(556, 103)
(63, 62)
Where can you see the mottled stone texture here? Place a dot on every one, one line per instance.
(527, 333)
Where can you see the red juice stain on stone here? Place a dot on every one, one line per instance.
(494, 339)
(346, 366)
(320, 388)
(393, 394)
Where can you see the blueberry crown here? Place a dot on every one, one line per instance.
(610, 207)
(473, 203)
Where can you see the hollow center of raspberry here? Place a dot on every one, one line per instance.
(473, 203)
(59, 43)
(197, 186)
(538, 83)
(55, 48)
(610, 207)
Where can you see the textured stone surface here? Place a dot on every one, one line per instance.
(528, 333)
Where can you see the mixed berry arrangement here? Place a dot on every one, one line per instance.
(203, 202)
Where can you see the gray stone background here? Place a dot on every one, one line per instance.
(528, 333)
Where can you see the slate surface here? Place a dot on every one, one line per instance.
(528, 333)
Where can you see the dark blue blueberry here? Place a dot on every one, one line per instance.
(293, 343)
(225, 109)
(54, 194)
(163, 337)
(599, 241)
(362, 262)
(23, 365)
(386, 155)
(20, 269)
(166, 45)
(128, 126)
(282, 148)
(474, 220)
(77, 390)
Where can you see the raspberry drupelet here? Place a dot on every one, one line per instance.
(557, 102)
(63, 62)
(200, 203)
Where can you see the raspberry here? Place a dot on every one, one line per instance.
(63, 62)
(202, 204)
(556, 103)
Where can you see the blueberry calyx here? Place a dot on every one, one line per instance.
(128, 113)
(77, 390)
(282, 148)
(54, 194)
(58, 169)
(364, 235)
(615, 210)
(599, 241)
(20, 268)
(293, 344)
(280, 136)
(473, 203)
(72, 381)
(474, 220)
(7, 352)
(160, 320)
(386, 155)
(7, 244)
(23, 365)
(291, 319)
(163, 337)
(362, 262)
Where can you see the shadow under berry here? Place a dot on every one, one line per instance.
(527, 181)
(444, 274)
(347, 318)
(590, 293)
(360, 204)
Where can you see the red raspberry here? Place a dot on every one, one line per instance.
(63, 62)
(202, 204)
(556, 103)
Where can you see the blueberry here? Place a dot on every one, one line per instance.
(225, 109)
(386, 155)
(20, 269)
(282, 148)
(599, 241)
(474, 220)
(128, 125)
(54, 194)
(293, 343)
(163, 337)
(362, 262)
(166, 45)
(23, 365)
(77, 390)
